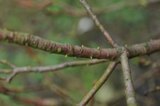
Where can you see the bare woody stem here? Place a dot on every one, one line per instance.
(29, 40)
(152, 90)
(98, 24)
(129, 90)
(98, 84)
(27, 69)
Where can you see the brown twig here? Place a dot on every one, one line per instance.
(153, 71)
(12, 93)
(18, 70)
(129, 90)
(155, 89)
(77, 51)
(98, 24)
(98, 84)
(5, 62)
(58, 90)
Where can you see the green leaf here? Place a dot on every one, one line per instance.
(143, 2)
(55, 8)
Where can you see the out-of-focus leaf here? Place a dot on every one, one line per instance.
(54, 8)
(143, 2)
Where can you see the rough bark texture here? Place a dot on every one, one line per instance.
(77, 51)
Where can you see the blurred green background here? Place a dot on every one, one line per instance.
(67, 22)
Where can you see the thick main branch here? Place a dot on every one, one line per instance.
(77, 51)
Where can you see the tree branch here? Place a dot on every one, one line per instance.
(152, 90)
(98, 84)
(29, 40)
(18, 70)
(129, 90)
(7, 63)
(98, 24)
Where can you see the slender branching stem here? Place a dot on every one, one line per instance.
(98, 24)
(129, 90)
(98, 84)
(27, 69)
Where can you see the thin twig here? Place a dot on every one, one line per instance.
(18, 70)
(11, 76)
(98, 24)
(155, 89)
(58, 90)
(5, 62)
(98, 84)
(129, 90)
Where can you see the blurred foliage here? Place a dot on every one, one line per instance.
(128, 24)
